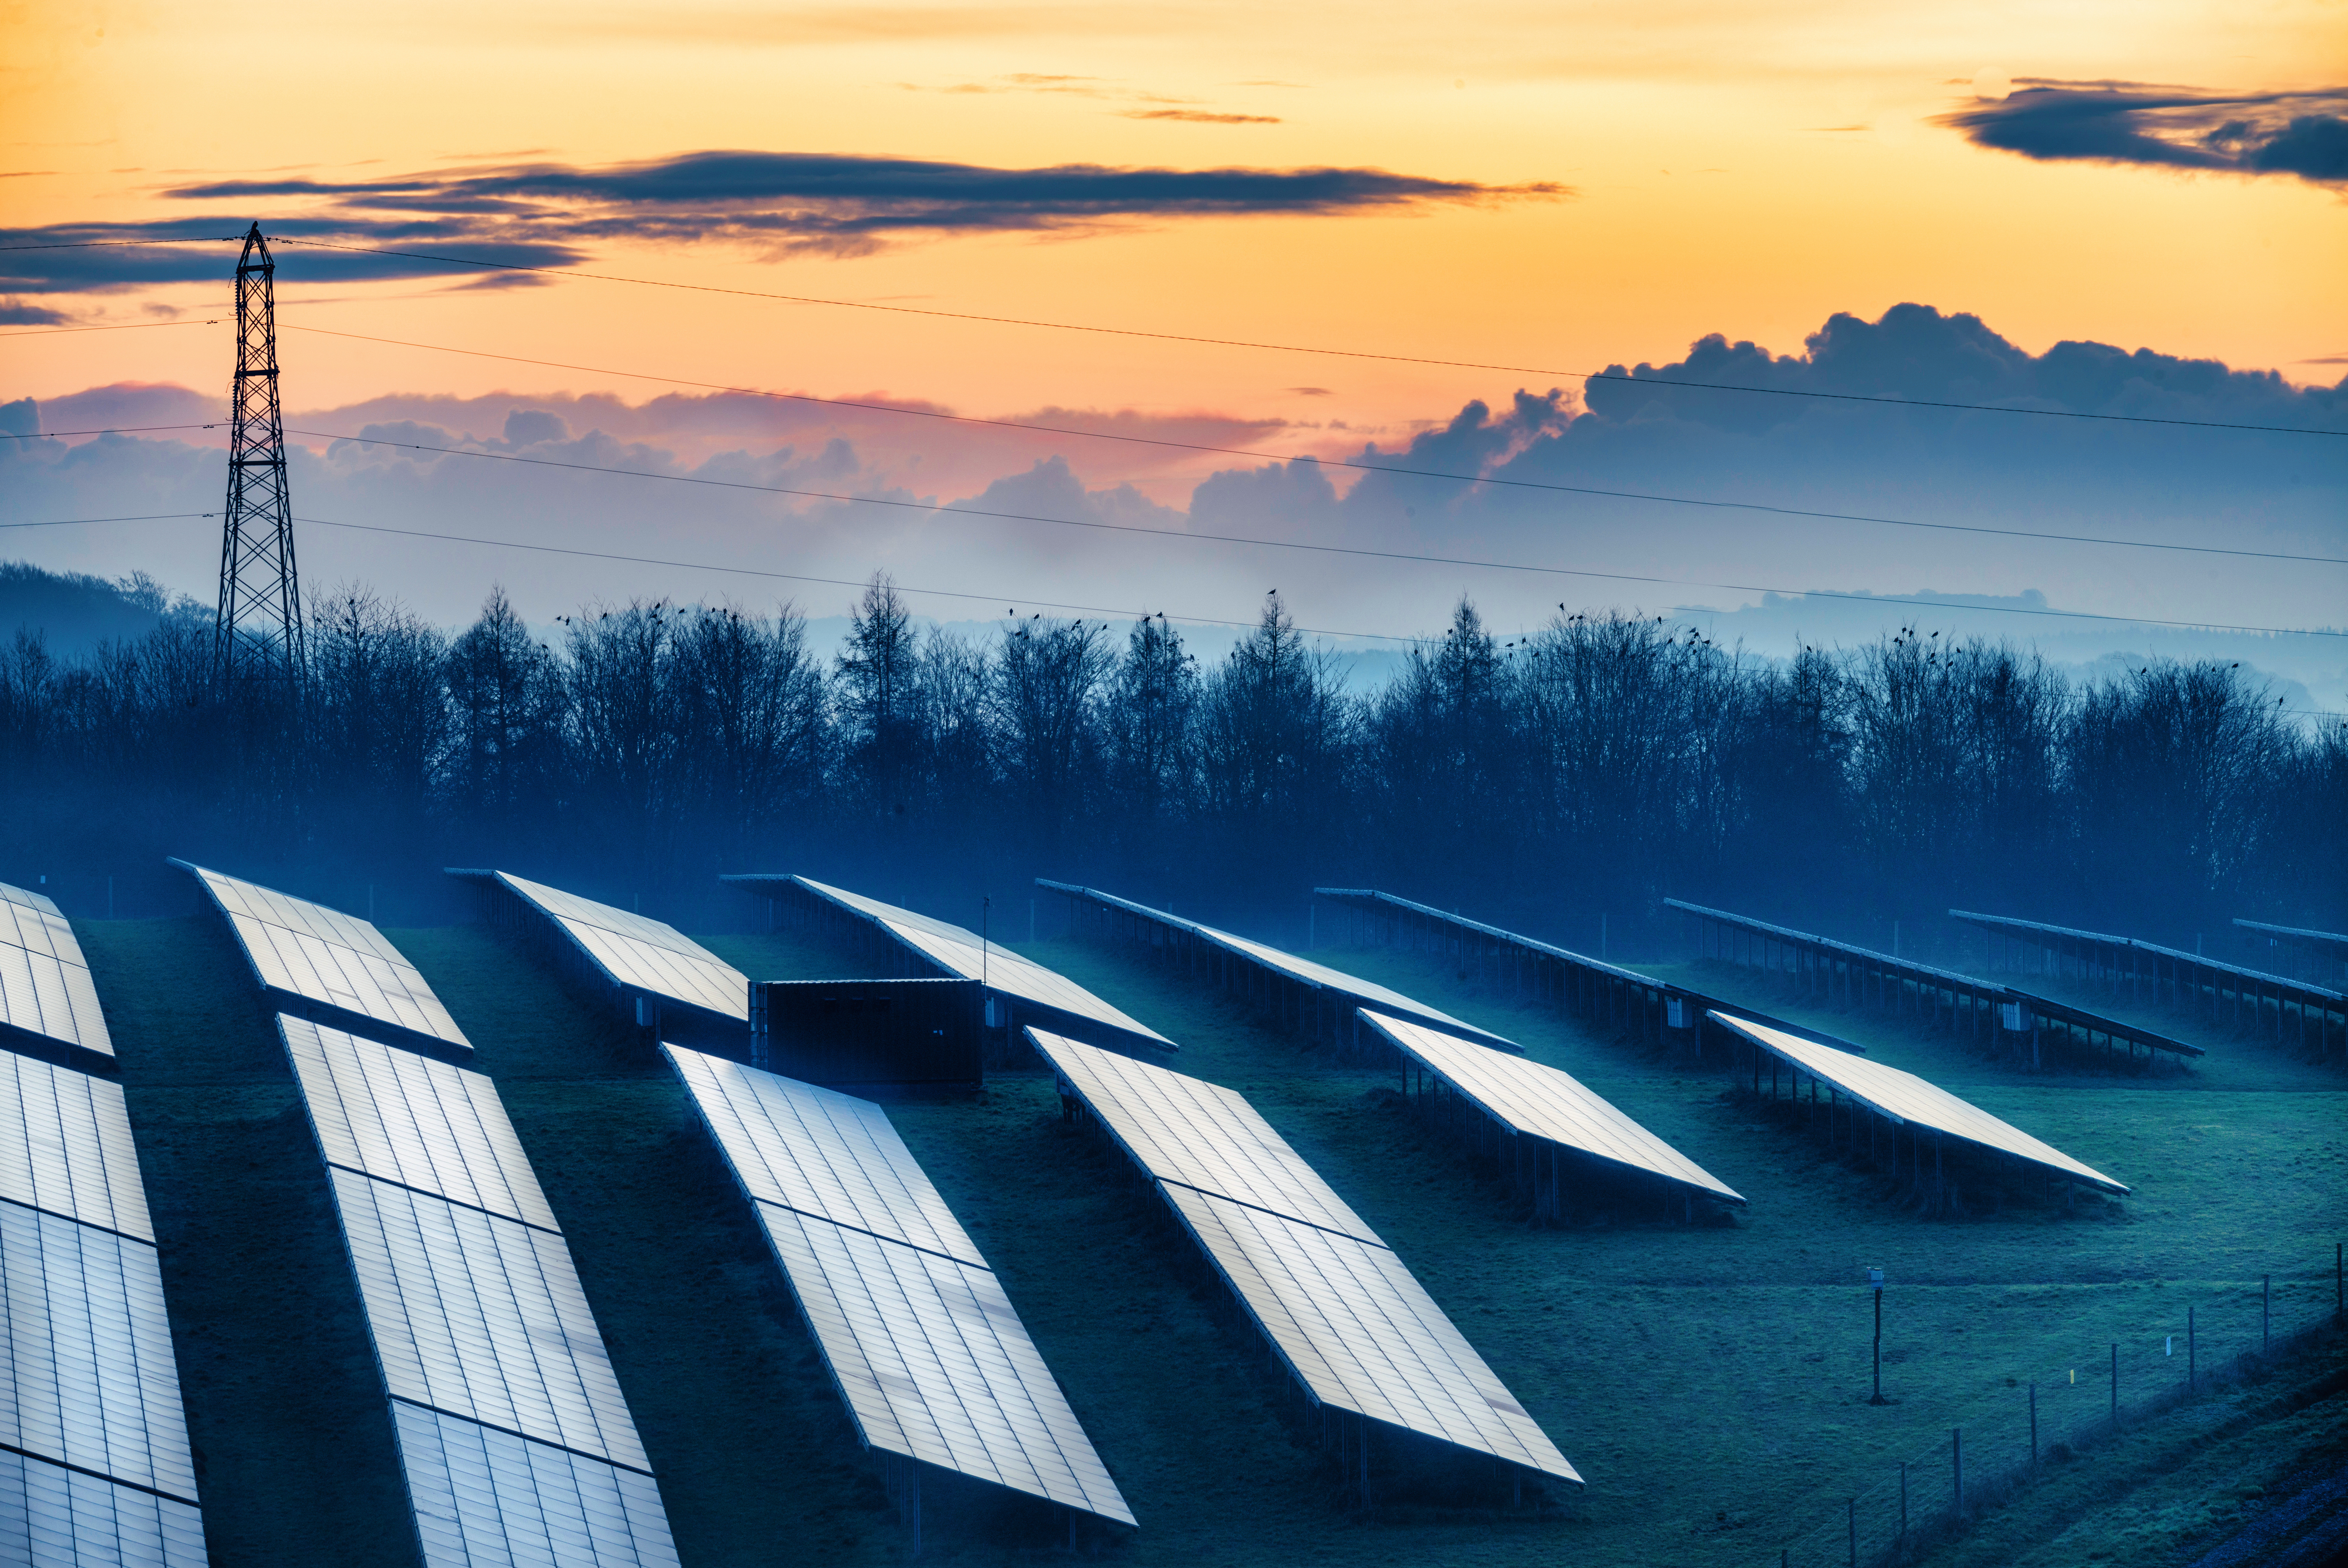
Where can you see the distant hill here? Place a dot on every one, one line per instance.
(74, 611)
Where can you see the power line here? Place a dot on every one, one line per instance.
(1648, 496)
(109, 430)
(115, 244)
(1205, 620)
(123, 326)
(1304, 349)
(142, 517)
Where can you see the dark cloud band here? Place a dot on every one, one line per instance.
(2305, 135)
(540, 214)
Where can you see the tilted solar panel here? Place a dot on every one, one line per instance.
(1303, 970)
(51, 1517)
(407, 1119)
(1902, 1097)
(1545, 1102)
(963, 952)
(87, 1376)
(65, 1146)
(1362, 1332)
(936, 1365)
(820, 1152)
(482, 1496)
(1184, 1130)
(321, 956)
(482, 1317)
(45, 983)
(640, 953)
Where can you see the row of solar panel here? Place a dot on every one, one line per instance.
(515, 1443)
(95, 1463)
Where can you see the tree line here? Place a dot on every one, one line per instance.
(1603, 762)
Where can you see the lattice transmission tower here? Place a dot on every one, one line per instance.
(258, 641)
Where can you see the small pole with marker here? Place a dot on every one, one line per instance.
(1875, 1283)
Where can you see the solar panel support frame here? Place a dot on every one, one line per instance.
(861, 1037)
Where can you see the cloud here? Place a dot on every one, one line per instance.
(16, 313)
(544, 214)
(2304, 135)
(1199, 117)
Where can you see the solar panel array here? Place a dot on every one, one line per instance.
(321, 957)
(1903, 1097)
(45, 985)
(963, 953)
(95, 1465)
(638, 953)
(1543, 1102)
(1304, 971)
(1345, 1313)
(926, 1350)
(514, 1438)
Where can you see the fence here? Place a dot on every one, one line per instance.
(2217, 1340)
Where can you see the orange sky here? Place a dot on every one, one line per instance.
(1711, 189)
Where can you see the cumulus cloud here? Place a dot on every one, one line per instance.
(16, 313)
(2304, 135)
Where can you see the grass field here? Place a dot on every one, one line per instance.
(1710, 1381)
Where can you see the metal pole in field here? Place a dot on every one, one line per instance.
(1875, 1278)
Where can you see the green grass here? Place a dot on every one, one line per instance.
(1710, 1381)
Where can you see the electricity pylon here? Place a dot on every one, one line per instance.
(257, 644)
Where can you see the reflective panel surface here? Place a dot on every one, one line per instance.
(1318, 976)
(1905, 1098)
(87, 1376)
(961, 952)
(483, 1496)
(482, 1317)
(1362, 1332)
(45, 985)
(405, 1117)
(51, 1517)
(935, 1365)
(1544, 1102)
(823, 1153)
(65, 1146)
(324, 955)
(644, 954)
(1184, 1130)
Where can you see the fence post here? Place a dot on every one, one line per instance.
(1957, 1458)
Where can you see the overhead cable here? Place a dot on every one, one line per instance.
(1543, 485)
(1300, 348)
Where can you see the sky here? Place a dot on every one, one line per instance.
(1923, 202)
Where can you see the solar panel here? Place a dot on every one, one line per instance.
(45, 985)
(482, 1317)
(1902, 1097)
(483, 1496)
(324, 956)
(65, 1146)
(1545, 1102)
(1304, 970)
(934, 1364)
(88, 1377)
(1361, 1331)
(639, 953)
(51, 1517)
(820, 1152)
(1183, 1130)
(407, 1119)
(963, 952)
